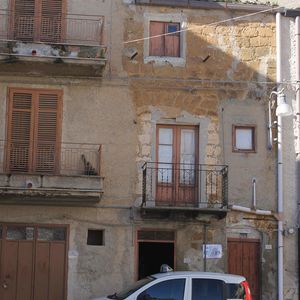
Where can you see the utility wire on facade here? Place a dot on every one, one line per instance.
(209, 24)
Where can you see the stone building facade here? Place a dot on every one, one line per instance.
(119, 152)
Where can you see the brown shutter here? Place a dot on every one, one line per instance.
(172, 41)
(51, 20)
(34, 126)
(23, 20)
(156, 45)
(20, 131)
(46, 155)
(37, 20)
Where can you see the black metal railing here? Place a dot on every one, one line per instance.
(68, 28)
(67, 159)
(185, 185)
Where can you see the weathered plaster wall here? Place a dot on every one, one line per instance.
(244, 167)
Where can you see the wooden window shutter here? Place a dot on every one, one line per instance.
(172, 41)
(23, 19)
(20, 131)
(37, 20)
(34, 126)
(156, 45)
(46, 146)
(51, 20)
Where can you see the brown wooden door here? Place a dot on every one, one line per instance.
(244, 259)
(33, 262)
(177, 165)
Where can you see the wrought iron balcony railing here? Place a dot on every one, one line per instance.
(185, 185)
(70, 159)
(62, 29)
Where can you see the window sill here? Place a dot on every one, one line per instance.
(165, 60)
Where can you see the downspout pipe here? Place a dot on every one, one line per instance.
(297, 28)
(279, 159)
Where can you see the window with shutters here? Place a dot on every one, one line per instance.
(167, 42)
(166, 39)
(34, 127)
(37, 20)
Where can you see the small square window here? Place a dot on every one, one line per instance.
(95, 237)
(243, 138)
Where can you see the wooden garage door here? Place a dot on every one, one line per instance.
(244, 259)
(33, 262)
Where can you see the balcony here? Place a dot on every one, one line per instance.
(71, 178)
(65, 45)
(190, 188)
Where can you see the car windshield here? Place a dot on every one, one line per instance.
(130, 290)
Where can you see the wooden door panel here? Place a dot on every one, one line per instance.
(9, 271)
(41, 284)
(57, 271)
(25, 271)
(235, 263)
(187, 195)
(251, 266)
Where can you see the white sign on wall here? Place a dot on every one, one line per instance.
(212, 251)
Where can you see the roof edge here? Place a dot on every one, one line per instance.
(210, 5)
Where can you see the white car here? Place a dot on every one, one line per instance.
(186, 286)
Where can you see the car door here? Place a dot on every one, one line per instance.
(171, 289)
(207, 289)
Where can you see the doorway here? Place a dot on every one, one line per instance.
(153, 251)
(244, 259)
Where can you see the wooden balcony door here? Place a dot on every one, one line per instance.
(34, 128)
(177, 161)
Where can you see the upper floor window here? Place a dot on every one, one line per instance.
(167, 40)
(34, 126)
(37, 20)
(243, 138)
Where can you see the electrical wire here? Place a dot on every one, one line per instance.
(202, 25)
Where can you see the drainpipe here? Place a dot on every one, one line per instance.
(279, 161)
(297, 25)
